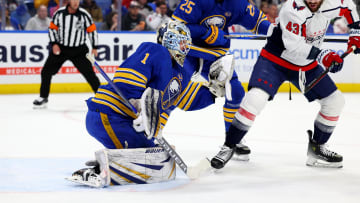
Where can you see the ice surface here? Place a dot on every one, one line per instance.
(38, 148)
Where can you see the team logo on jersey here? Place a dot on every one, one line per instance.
(218, 21)
(171, 93)
(299, 8)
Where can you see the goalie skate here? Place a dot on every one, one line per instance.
(86, 176)
(320, 156)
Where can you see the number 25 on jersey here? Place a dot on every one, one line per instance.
(187, 6)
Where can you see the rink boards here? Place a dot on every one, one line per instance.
(22, 55)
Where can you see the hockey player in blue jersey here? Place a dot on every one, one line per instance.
(293, 53)
(156, 71)
(208, 21)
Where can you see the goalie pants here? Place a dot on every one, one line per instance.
(77, 55)
(114, 131)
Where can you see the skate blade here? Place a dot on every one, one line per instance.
(241, 157)
(44, 106)
(323, 164)
(87, 183)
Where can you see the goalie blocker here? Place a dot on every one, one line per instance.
(127, 166)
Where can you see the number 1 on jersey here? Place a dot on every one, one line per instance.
(145, 58)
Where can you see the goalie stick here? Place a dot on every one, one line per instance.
(192, 172)
(323, 74)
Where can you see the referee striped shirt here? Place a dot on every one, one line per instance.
(70, 30)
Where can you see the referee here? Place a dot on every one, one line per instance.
(67, 32)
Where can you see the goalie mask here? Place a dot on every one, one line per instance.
(175, 36)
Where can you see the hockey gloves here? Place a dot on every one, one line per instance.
(330, 59)
(220, 74)
(354, 37)
(215, 37)
(149, 118)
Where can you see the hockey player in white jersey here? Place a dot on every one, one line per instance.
(293, 52)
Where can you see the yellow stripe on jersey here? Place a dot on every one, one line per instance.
(109, 105)
(178, 19)
(200, 49)
(129, 82)
(132, 71)
(129, 76)
(259, 20)
(144, 176)
(220, 50)
(188, 96)
(110, 131)
(115, 102)
(163, 119)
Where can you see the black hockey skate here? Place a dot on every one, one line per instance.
(40, 103)
(222, 157)
(242, 152)
(320, 156)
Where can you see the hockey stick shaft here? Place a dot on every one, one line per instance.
(326, 71)
(245, 36)
(161, 140)
(117, 90)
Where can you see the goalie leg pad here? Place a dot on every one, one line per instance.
(137, 166)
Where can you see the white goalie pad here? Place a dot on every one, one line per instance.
(136, 166)
(220, 74)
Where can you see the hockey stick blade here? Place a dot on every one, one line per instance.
(326, 71)
(200, 168)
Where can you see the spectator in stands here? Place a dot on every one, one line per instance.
(114, 8)
(40, 21)
(111, 22)
(55, 8)
(133, 20)
(264, 6)
(272, 12)
(145, 9)
(10, 23)
(172, 4)
(156, 19)
(94, 10)
(21, 15)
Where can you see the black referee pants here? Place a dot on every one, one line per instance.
(77, 55)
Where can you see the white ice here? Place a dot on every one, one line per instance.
(38, 148)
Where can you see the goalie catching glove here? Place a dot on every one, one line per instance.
(330, 59)
(149, 118)
(220, 74)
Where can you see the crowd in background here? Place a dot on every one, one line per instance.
(133, 15)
